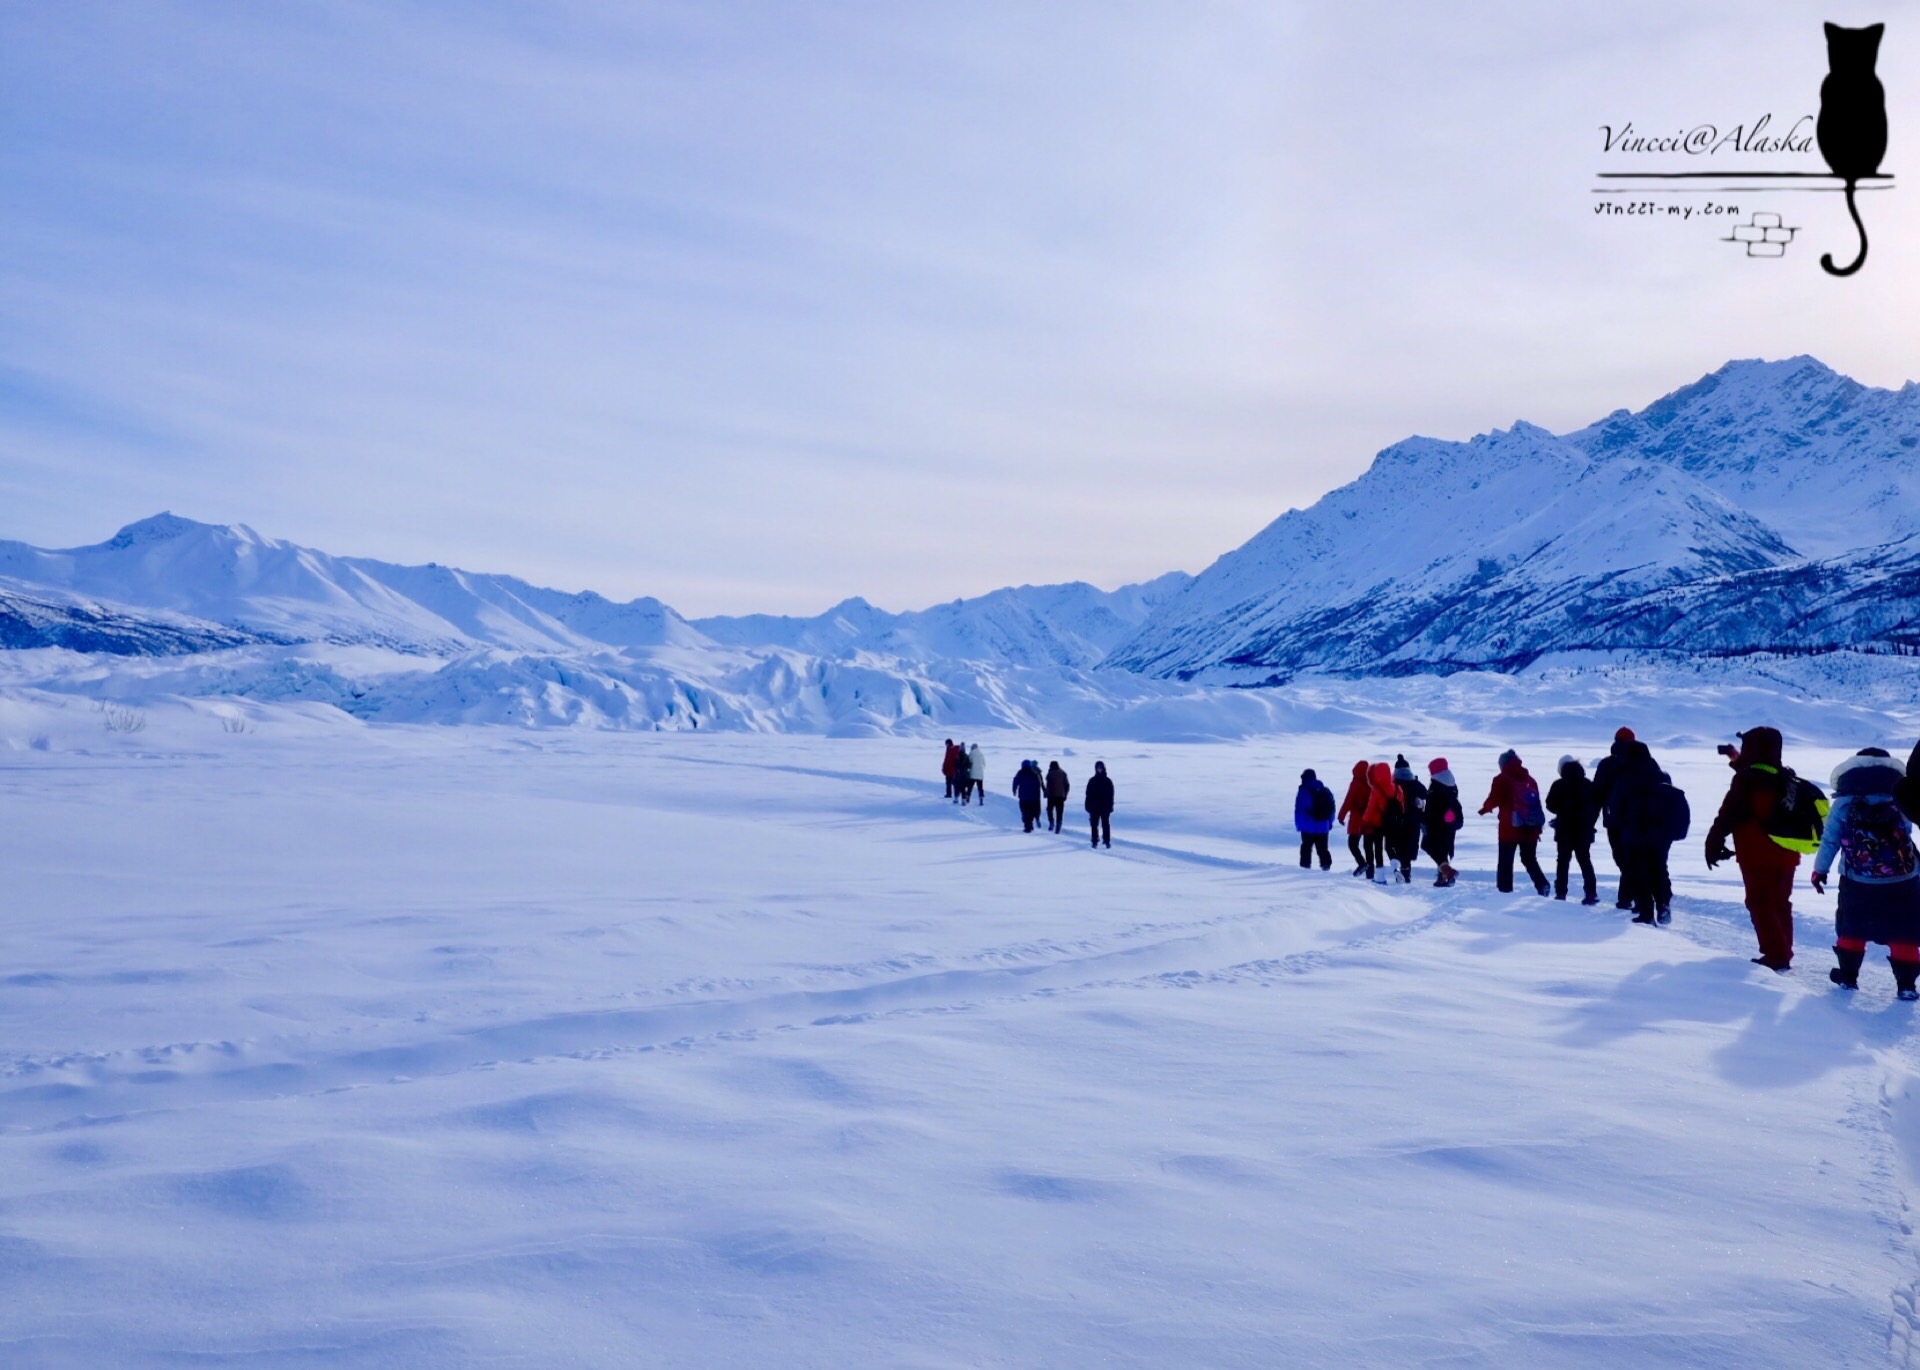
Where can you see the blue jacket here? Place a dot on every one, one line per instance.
(1303, 820)
(1026, 785)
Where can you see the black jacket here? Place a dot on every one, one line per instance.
(1100, 794)
(1632, 807)
(1570, 801)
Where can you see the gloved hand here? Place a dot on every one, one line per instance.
(1715, 855)
(1819, 882)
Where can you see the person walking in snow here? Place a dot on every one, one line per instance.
(1773, 817)
(1353, 814)
(1099, 805)
(1404, 842)
(1313, 811)
(1383, 817)
(1522, 819)
(1444, 818)
(948, 765)
(1879, 896)
(1633, 783)
(1058, 788)
(962, 775)
(1673, 816)
(1570, 801)
(1027, 788)
(1605, 775)
(977, 773)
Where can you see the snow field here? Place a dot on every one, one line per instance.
(329, 1045)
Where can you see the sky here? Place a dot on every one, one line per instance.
(753, 307)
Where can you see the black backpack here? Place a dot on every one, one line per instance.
(1671, 815)
(1320, 805)
(1800, 816)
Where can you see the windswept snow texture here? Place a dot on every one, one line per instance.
(330, 1047)
(1771, 505)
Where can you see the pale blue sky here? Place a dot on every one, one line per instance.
(755, 306)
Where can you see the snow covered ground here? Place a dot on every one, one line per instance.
(334, 1045)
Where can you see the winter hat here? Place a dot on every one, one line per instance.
(1623, 735)
(1308, 775)
(1437, 765)
(1401, 770)
(1509, 755)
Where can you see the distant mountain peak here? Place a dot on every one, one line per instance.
(161, 527)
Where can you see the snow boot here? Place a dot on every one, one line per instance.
(1904, 974)
(1646, 918)
(1847, 973)
(1590, 900)
(1663, 916)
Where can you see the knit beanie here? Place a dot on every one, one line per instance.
(1623, 735)
(1437, 765)
(1307, 775)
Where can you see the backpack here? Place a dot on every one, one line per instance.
(1528, 812)
(1320, 805)
(1672, 815)
(1874, 843)
(1800, 816)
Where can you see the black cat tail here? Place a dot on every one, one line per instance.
(1826, 258)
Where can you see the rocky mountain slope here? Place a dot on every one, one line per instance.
(1767, 506)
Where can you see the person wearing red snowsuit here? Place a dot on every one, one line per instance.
(1362, 811)
(1384, 802)
(1504, 795)
(948, 766)
(1766, 867)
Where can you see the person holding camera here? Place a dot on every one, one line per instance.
(1773, 818)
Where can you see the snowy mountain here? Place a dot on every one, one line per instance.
(229, 579)
(1757, 509)
(1832, 464)
(232, 576)
(1073, 625)
(1771, 507)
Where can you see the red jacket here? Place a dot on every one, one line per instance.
(947, 767)
(1504, 795)
(1354, 809)
(1385, 791)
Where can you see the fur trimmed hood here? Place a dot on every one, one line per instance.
(1868, 772)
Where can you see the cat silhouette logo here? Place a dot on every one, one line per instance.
(1851, 131)
(1853, 120)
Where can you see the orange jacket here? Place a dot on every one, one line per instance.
(1353, 809)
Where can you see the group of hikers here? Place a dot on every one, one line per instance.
(965, 770)
(1769, 819)
(1391, 817)
(1770, 816)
